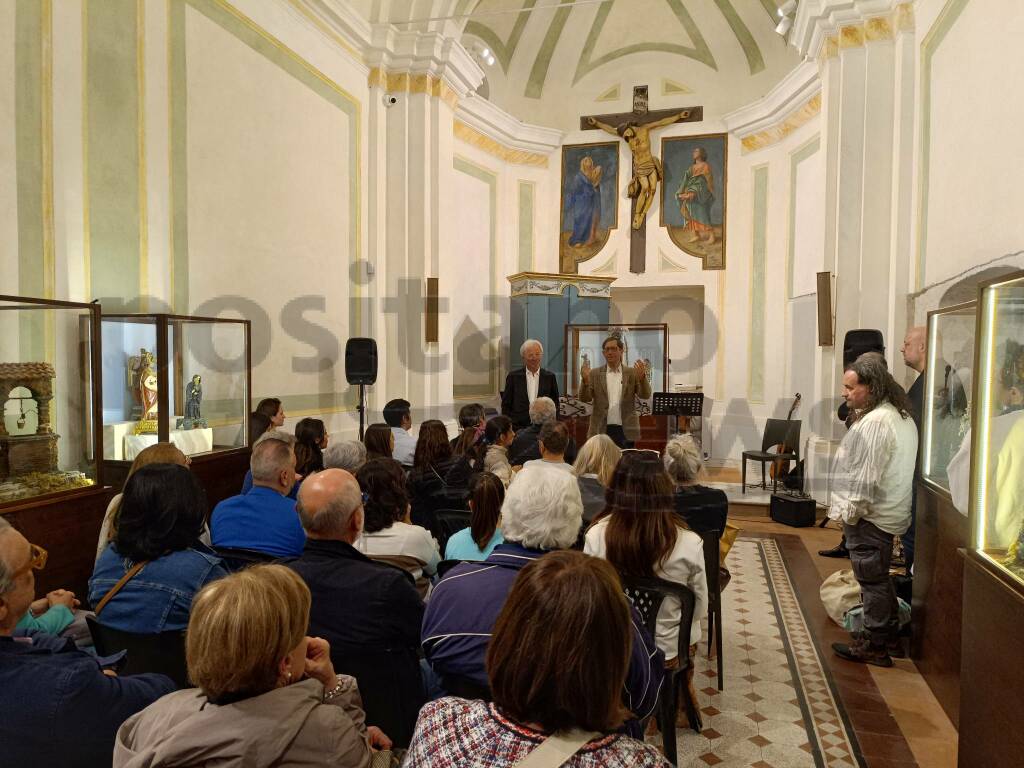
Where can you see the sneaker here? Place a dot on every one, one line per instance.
(861, 650)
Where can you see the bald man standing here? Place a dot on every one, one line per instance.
(369, 612)
(915, 357)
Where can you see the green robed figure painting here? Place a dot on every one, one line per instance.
(693, 196)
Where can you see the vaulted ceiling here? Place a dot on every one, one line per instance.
(554, 59)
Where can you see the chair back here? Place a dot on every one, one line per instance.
(235, 559)
(409, 564)
(390, 686)
(647, 594)
(712, 540)
(162, 652)
(450, 522)
(785, 432)
(446, 565)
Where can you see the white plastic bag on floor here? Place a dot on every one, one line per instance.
(839, 593)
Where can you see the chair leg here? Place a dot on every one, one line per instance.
(718, 645)
(667, 717)
(743, 484)
(764, 482)
(692, 713)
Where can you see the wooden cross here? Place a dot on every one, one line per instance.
(634, 127)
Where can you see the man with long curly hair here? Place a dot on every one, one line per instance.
(872, 489)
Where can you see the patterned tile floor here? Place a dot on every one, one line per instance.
(778, 709)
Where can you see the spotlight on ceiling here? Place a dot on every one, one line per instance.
(784, 25)
(486, 52)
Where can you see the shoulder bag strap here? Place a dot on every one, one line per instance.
(556, 749)
(132, 572)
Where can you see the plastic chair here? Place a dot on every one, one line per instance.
(450, 522)
(647, 595)
(235, 559)
(784, 432)
(446, 565)
(162, 652)
(708, 522)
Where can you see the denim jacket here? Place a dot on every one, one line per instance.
(159, 597)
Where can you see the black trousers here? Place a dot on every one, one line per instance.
(618, 435)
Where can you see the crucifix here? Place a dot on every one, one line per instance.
(635, 128)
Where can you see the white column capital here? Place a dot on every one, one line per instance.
(823, 27)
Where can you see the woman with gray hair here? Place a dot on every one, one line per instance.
(685, 466)
(349, 455)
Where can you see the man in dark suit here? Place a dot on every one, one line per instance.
(526, 384)
(914, 349)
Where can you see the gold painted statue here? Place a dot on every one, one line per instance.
(647, 170)
(142, 383)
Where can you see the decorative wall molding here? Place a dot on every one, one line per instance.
(491, 129)
(850, 21)
(542, 284)
(473, 137)
(339, 22)
(791, 104)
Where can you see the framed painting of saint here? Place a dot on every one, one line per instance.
(590, 182)
(693, 195)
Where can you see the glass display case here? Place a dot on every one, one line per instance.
(174, 378)
(647, 342)
(996, 491)
(49, 388)
(946, 420)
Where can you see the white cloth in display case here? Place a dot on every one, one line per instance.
(120, 444)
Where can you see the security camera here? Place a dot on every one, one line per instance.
(390, 100)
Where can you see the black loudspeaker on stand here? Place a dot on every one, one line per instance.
(361, 369)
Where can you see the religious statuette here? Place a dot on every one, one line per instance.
(193, 402)
(143, 385)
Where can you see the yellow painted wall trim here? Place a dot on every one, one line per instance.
(878, 29)
(830, 48)
(777, 133)
(903, 17)
(140, 69)
(46, 113)
(851, 36)
(406, 82)
(474, 138)
(326, 30)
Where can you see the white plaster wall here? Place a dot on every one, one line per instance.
(8, 158)
(973, 194)
(809, 223)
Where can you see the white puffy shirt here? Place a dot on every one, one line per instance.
(873, 471)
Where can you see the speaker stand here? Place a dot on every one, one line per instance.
(362, 409)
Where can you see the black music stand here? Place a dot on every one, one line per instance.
(680, 404)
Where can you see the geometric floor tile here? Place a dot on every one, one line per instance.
(777, 709)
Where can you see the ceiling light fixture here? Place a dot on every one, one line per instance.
(787, 8)
(787, 12)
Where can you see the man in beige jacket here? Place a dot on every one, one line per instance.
(613, 390)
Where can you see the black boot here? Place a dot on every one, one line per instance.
(839, 550)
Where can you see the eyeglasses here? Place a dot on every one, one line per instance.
(37, 561)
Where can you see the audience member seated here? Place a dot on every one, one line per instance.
(161, 453)
(349, 455)
(398, 416)
(379, 441)
(551, 443)
(51, 614)
(264, 519)
(524, 447)
(258, 426)
(438, 480)
(685, 466)
(557, 662)
(369, 612)
(157, 542)
(310, 441)
(59, 705)
(497, 437)
(486, 495)
(594, 467)
(471, 429)
(267, 694)
(271, 408)
(640, 535)
(387, 534)
(542, 512)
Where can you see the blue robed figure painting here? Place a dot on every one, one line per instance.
(693, 195)
(589, 210)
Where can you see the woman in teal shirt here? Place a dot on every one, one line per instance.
(487, 493)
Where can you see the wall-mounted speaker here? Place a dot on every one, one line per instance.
(826, 334)
(361, 361)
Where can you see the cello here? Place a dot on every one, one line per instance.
(780, 467)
